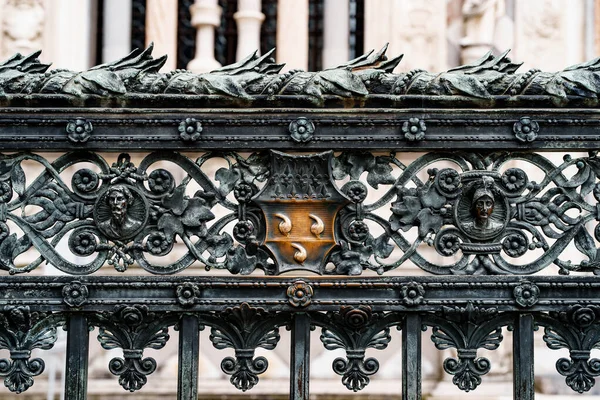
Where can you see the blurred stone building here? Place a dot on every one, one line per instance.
(308, 34)
(203, 35)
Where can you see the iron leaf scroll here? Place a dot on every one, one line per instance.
(479, 213)
(491, 78)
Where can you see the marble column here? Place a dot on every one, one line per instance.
(117, 29)
(161, 29)
(22, 26)
(248, 19)
(206, 16)
(336, 28)
(292, 34)
(69, 34)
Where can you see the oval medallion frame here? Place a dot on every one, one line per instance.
(135, 218)
(463, 209)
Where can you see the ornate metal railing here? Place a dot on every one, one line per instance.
(308, 172)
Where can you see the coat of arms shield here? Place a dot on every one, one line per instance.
(300, 203)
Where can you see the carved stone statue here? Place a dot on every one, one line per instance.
(481, 21)
(118, 216)
(23, 23)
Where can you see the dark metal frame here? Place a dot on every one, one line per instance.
(477, 212)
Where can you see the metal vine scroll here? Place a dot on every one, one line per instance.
(287, 212)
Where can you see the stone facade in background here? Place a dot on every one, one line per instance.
(434, 35)
(21, 26)
(549, 34)
(486, 26)
(161, 29)
(412, 27)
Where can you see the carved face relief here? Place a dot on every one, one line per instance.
(120, 212)
(117, 200)
(482, 209)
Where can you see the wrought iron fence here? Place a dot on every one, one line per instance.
(310, 180)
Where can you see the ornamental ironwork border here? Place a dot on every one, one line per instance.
(311, 179)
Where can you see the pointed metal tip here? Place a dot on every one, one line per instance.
(35, 54)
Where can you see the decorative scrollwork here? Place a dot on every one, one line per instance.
(467, 329)
(21, 331)
(355, 329)
(244, 328)
(108, 214)
(479, 214)
(133, 329)
(576, 329)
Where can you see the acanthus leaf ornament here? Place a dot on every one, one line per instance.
(244, 328)
(21, 331)
(467, 329)
(355, 329)
(578, 330)
(133, 328)
(138, 73)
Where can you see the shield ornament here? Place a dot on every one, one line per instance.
(300, 203)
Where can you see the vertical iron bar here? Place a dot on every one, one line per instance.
(523, 373)
(411, 357)
(189, 348)
(76, 369)
(300, 357)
